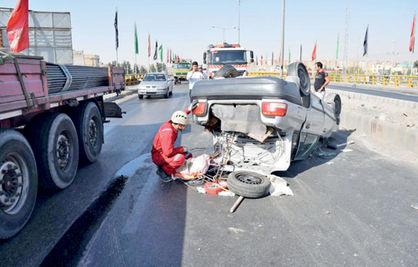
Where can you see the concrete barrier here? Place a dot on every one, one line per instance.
(387, 133)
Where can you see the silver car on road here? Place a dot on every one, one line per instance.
(156, 84)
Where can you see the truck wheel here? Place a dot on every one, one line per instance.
(89, 125)
(18, 182)
(227, 71)
(248, 184)
(299, 70)
(55, 144)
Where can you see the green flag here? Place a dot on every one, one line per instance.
(338, 46)
(289, 56)
(136, 42)
(161, 52)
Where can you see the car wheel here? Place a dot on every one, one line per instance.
(55, 145)
(140, 96)
(18, 182)
(227, 71)
(167, 94)
(299, 70)
(89, 125)
(248, 184)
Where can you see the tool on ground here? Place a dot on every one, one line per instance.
(236, 204)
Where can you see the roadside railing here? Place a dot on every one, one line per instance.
(384, 80)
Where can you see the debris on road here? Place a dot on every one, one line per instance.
(279, 186)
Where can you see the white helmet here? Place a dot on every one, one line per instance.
(180, 117)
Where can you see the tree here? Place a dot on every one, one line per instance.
(142, 70)
(416, 64)
(136, 69)
(161, 67)
(152, 68)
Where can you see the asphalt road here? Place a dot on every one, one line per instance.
(352, 207)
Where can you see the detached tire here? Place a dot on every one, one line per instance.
(89, 125)
(227, 71)
(248, 184)
(55, 143)
(299, 70)
(18, 182)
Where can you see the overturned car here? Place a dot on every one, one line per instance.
(264, 123)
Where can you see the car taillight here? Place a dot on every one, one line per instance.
(200, 109)
(274, 109)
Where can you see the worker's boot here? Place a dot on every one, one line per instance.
(163, 176)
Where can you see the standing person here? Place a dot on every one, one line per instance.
(167, 157)
(321, 79)
(193, 76)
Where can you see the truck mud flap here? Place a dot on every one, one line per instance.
(112, 110)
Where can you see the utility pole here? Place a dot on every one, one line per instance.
(347, 17)
(239, 21)
(282, 52)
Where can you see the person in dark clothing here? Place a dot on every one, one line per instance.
(321, 79)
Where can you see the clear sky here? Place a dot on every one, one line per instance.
(185, 26)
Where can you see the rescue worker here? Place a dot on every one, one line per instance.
(321, 79)
(167, 157)
(193, 76)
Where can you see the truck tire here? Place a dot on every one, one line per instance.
(248, 184)
(55, 145)
(299, 70)
(18, 182)
(89, 124)
(227, 71)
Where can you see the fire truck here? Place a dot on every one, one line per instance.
(220, 55)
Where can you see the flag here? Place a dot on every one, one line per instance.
(161, 53)
(314, 52)
(338, 46)
(280, 58)
(155, 52)
(289, 56)
(261, 61)
(149, 45)
(272, 58)
(168, 55)
(17, 27)
(412, 40)
(136, 42)
(256, 60)
(116, 29)
(365, 42)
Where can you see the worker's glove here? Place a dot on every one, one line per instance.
(193, 105)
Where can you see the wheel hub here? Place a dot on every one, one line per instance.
(63, 151)
(249, 179)
(92, 132)
(10, 185)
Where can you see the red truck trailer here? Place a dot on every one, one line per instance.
(51, 118)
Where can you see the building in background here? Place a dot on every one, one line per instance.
(49, 35)
(79, 58)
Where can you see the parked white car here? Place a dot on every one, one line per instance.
(156, 84)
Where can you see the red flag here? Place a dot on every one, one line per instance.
(168, 55)
(314, 52)
(17, 27)
(280, 58)
(261, 60)
(149, 45)
(412, 41)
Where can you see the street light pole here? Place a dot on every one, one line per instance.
(239, 20)
(282, 52)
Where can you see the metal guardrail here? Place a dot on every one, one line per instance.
(385, 80)
(131, 79)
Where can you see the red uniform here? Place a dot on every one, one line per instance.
(163, 152)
